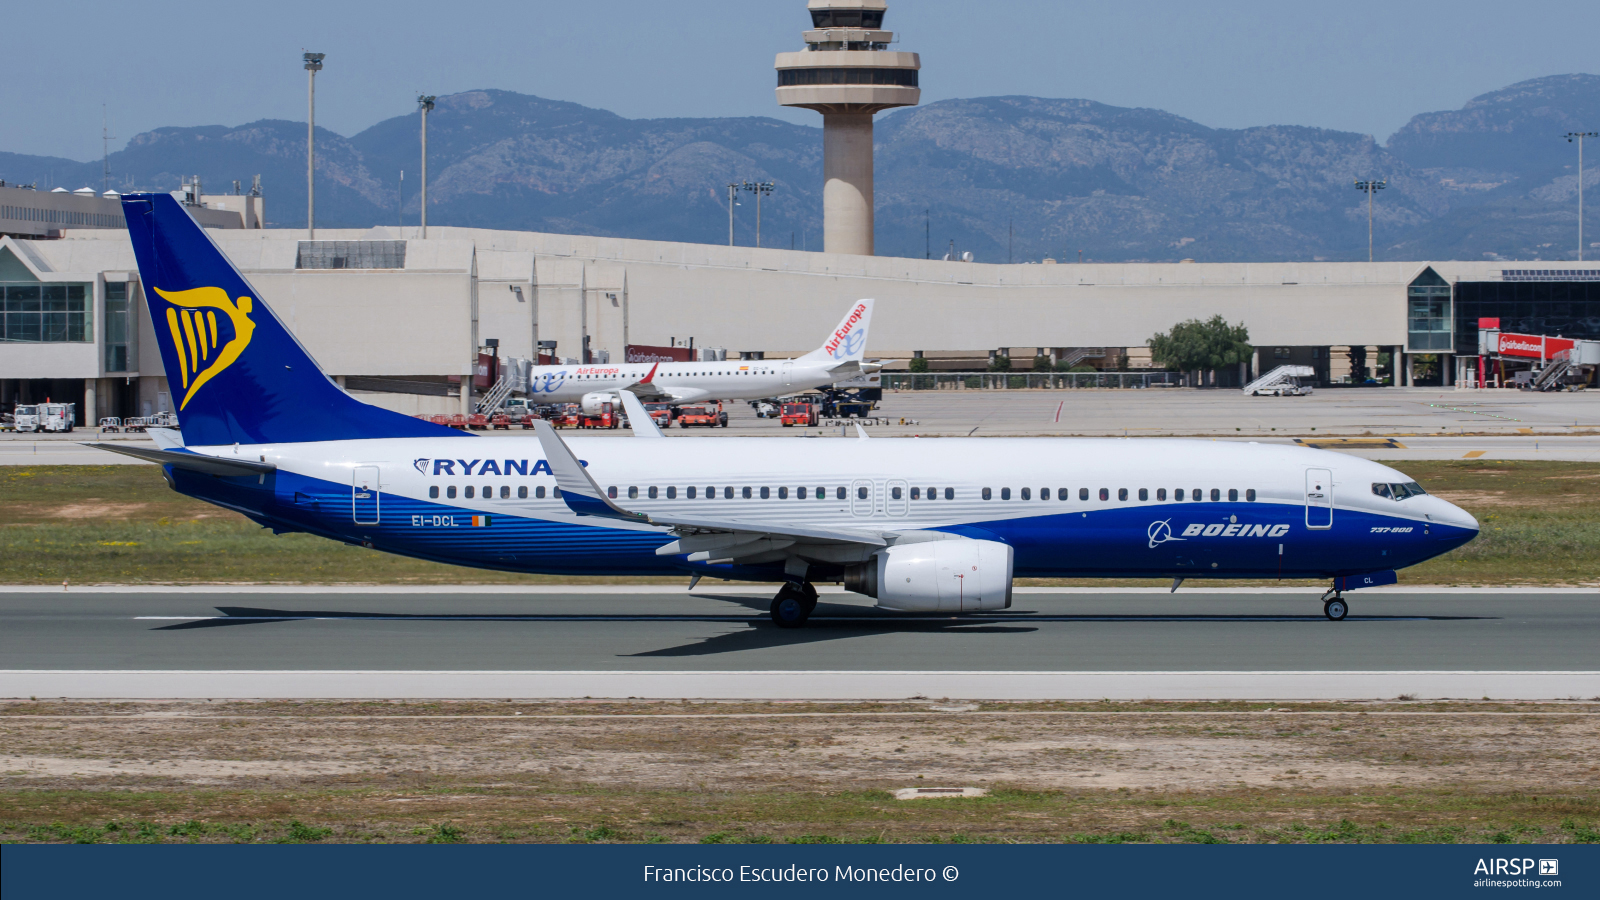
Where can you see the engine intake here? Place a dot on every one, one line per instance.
(594, 403)
(936, 576)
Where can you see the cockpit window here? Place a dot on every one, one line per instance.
(1398, 491)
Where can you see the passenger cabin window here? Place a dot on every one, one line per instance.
(1122, 493)
(1250, 495)
(450, 492)
(1063, 494)
(747, 493)
(986, 494)
(1105, 494)
(1027, 494)
(1216, 494)
(1044, 493)
(612, 492)
(894, 492)
(1083, 493)
(469, 492)
(433, 492)
(1198, 495)
(690, 493)
(1161, 493)
(840, 493)
(949, 493)
(522, 492)
(672, 492)
(1177, 494)
(633, 493)
(766, 493)
(1144, 494)
(861, 492)
(538, 492)
(652, 492)
(916, 493)
(1233, 495)
(1005, 493)
(727, 493)
(488, 491)
(800, 493)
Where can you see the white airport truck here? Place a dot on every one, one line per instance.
(46, 417)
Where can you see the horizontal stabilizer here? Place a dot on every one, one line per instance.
(194, 462)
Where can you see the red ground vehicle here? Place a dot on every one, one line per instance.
(500, 422)
(802, 414)
(478, 422)
(702, 416)
(661, 413)
(566, 415)
(608, 418)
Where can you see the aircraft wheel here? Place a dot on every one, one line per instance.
(1336, 609)
(790, 608)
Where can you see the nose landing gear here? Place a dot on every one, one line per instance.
(1334, 605)
(793, 604)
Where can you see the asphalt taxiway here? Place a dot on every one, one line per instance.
(663, 642)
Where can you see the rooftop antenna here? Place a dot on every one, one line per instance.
(105, 150)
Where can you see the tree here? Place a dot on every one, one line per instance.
(1000, 363)
(918, 364)
(1195, 346)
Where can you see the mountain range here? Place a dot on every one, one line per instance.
(1016, 178)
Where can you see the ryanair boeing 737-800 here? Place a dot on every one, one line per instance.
(929, 525)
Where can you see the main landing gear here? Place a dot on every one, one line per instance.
(1334, 605)
(794, 603)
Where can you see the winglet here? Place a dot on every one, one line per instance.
(638, 417)
(582, 495)
(860, 432)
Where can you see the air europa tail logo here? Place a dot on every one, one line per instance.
(847, 341)
(205, 350)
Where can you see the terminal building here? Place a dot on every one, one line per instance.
(399, 320)
(403, 321)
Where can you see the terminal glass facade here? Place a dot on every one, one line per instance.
(1566, 308)
(121, 329)
(847, 18)
(47, 313)
(1428, 318)
(875, 75)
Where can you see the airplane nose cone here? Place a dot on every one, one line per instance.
(1460, 523)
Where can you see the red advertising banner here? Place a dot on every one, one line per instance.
(641, 353)
(1529, 346)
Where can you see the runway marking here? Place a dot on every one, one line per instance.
(757, 617)
(1474, 454)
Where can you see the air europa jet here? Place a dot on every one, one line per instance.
(838, 359)
(920, 525)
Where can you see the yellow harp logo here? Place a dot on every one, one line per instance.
(201, 356)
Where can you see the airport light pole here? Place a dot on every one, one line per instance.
(1579, 136)
(732, 187)
(1371, 187)
(758, 188)
(425, 103)
(313, 66)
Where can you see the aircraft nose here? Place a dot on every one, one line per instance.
(1446, 513)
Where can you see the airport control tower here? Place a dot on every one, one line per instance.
(847, 73)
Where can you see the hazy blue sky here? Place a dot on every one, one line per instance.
(1359, 65)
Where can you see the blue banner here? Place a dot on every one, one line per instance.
(671, 870)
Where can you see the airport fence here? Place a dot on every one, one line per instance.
(1004, 381)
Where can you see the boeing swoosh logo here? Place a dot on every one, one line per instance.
(1160, 532)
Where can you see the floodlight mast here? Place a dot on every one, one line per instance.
(758, 188)
(732, 188)
(425, 103)
(1579, 136)
(313, 66)
(1371, 187)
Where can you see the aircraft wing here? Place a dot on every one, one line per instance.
(194, 462)
(586, 498)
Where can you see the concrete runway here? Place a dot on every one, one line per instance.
(654, 642)
(1423, 424)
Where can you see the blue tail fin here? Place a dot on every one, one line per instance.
(235, 373)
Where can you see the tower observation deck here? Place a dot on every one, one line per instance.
(847, 73)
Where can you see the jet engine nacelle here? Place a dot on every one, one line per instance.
(960, 575)
(593, 403)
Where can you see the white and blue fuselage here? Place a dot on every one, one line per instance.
(1068, 507)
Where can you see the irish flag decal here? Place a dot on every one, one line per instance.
(480, 521)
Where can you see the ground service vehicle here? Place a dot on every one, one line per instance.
(701, 416)
(919, 525)
(46, 417)
(803, 414)
(661, 413)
